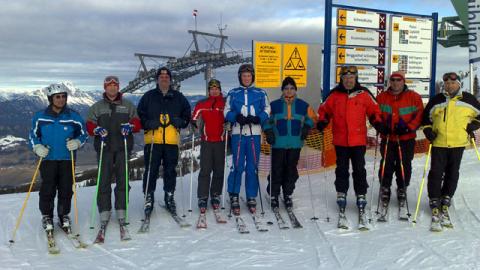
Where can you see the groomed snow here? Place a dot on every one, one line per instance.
(319, 245)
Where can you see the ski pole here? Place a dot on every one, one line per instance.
(99, 173)
(382, 172)
(225, 165)
(19, 218)
(476, 149)
(74, 186)
(421, 185)
(310, 188)
(127, 186)
(373, 174)
(236, 164)
(191, 171)
(403, 175)
(183, 188)
(324, 177)
(252, 143)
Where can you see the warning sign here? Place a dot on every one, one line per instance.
(295, 57)
(267, 64)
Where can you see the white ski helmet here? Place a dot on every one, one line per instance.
(56, 88)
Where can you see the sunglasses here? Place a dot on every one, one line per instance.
(60, 96)
(450, 76)
(111, 79)
(395, 79)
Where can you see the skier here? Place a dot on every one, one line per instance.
(290, 121)
(402, 110)
(449, 119)
(56, 132)
(110, 120)
(208, 117)
(347, 107)
(163, 113)
(246, 108)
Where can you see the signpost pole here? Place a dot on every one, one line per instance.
(327, 49)
(433, 66)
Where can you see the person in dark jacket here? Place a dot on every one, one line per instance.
(110, 120)
(208, 117)
(56, 132)
(291, 119)
(163, 112)
(347, 107)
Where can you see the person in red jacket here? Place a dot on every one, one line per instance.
(347, 107)
(402, 111)
(208, 118)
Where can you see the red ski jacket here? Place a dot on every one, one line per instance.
(210, 110)
(348, 110)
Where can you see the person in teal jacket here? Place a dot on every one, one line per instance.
(291, 118)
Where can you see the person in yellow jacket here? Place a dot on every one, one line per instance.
(449, 120)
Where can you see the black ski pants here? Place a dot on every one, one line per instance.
(56, 176)
(393, 163)
(444, 171)
(162, 154)
(284, 172)
(212, 159)
(355, 154)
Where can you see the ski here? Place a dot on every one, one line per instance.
(145, 227)
(342, 221)
(436, 225)
(260, 224)
(218, 216)
(383, 212)
(362, 220)
(202, 221)
(100, 239)
(241, 226)
(179, 220)
(73, 238)
(445, 220)
(293, 219)
(280, 221)
(51, 244)
(124, 233)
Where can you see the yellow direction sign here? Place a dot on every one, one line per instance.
(267, 64)
(295, 57)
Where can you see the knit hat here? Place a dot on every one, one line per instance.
(287, 81)
(398, 75)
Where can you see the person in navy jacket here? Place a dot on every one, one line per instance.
(56, 131)
(246, 108)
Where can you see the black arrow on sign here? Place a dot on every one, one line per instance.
(341, 56)
(342, 18)
(342, 36)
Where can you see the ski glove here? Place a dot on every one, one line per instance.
(270, 136)
(177, 122)
(381, 128)
(152, 124)
(251, 119)
(242, 120)
(73, 145)
(40, 150)
(305, 130)
(429, 134)
(472, 126)
(321, 125)
(100, 131)
(126, 129)
(401, 128)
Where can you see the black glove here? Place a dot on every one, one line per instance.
(401, 128)
(305, 130)
(242, 120)
(253, 119)
(471, 127)
(321, 125)
(176, 122)
(270, 136)
(429, 134)
(381, 128)
(194, 124)
(152, 124)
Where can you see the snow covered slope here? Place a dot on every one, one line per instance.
(9, 142)
(319, 245)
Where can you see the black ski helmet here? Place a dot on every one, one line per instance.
(246, 68)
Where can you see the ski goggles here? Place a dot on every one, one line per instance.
(111, 79)
(450, 76)
(348, 70)
(214, 83)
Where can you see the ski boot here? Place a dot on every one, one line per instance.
(65, 223)
(274, 202)
(445, 217)
(215, 201)
(384, 202)
(287, 199)
(342, 203)
(47, 223)
(403, 213)
(234, 204)
(252, 205)
(362, 216)
(170, 203)
(436, 225)
(149, 201)
(202, 205)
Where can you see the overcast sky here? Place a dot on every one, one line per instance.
(83, 40)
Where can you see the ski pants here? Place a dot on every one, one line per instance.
(284, 172)
(56, 175)
(245, 156)
(444, 171)
(393, 163)
(166, 154)
(113, 167)
(212, 158)
(356, 154)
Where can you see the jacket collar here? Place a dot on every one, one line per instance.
(117, 100)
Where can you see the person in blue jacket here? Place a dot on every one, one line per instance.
(290, 122)
(246, 108)
(56, 131)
